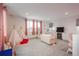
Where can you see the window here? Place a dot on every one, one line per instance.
(38, 27)
(29, 27)
(33, 27)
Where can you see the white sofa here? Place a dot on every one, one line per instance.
(49, 39)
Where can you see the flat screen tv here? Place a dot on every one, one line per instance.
(60, 29)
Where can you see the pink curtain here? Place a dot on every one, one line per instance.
(26, 26)
(40, 27)
(3, 34)
(33, 29)
(36, 27)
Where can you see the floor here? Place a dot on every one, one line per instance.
(36, 47)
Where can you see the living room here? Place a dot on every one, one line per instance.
(47, 27)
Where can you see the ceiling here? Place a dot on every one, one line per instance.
(46, 11)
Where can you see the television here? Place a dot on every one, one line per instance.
(60, 29)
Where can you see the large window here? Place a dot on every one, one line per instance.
(33, 27)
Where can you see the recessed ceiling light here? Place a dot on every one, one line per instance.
(26, 13)
(66, 13)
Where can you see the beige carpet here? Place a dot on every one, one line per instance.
(36, 47)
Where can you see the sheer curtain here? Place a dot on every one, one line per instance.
(35, 27)
(29, 27)
(38, 27)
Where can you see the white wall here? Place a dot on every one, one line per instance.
(19, 24)
(70, 26)
(46, 23)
